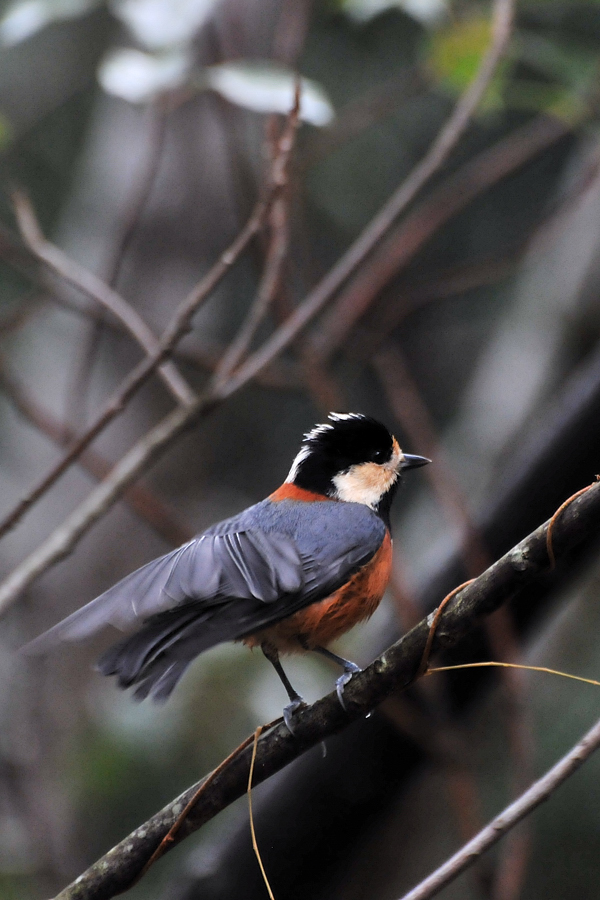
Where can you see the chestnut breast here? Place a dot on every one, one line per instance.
(324, 621)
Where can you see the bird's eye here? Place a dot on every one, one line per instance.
(379, 456)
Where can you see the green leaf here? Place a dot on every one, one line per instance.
(454, 56)
(456, 52)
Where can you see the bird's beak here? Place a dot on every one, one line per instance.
(413, 462)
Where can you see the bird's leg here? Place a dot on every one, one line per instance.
(296, 701)
(349, 668)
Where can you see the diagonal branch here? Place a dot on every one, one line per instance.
(539, 791)
(509, 577)
(362, 247)
(63, 539)
(142, 500)
(276, 253)
(178, 327)
(89, 284)
(445, 201)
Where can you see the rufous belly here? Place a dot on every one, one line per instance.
(324, 621)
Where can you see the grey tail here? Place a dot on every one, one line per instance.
(156, 657)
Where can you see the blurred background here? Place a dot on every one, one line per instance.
(142, 132)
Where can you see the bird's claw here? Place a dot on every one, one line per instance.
(289, 711)
(350, 669)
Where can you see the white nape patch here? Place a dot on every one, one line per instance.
(313, 435)
(298, 460)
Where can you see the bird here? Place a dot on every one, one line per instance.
(290, 574)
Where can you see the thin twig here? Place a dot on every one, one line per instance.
(540, 791)
(421, 223)
(89, 284)
(116, 404)
(140, 193)
(434, 621)
(63, 540)
(194, 799)
(494, 664)
(142, 500)
(509, 577)
(256, 736)
(204, 356)
(278, 246)
(446, 139)
(141, 189)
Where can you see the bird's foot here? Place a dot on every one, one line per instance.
(289, 710)
(350, 669)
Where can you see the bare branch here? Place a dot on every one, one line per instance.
(177, 329)
(64, 539)
(513, 574)
(77, 276)
(276, 254)
(158, 113)
(141, 499)
(456, 192)
(540, 791)
(382, 222)
(204, 356)
(139, 193)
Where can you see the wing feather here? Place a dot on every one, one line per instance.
(238, 577)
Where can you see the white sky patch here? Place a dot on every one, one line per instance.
(139, 77)
(266, 87)
(158, 24)
(26, 17)
(428, 12)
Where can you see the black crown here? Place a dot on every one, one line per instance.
(348, 439)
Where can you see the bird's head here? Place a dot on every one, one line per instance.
(352, 457)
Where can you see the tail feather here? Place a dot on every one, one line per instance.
(128, 658)
(160, 680)
(155, 658)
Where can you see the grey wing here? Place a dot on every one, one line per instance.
(248, 565)
(241, 576)
(156, 656)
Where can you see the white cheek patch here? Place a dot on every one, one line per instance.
(366, 483)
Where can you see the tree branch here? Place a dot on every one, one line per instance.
(176, 330)
(445, 201)
(437, 154)
(396, 667)
(142, 500)
(89, 284)
(276, 253)
(539, 791)
(63, 540)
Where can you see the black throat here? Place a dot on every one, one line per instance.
(385, 504)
